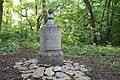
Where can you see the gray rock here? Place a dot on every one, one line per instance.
(64, 68)
(49, 71)
(28, 79)
(76, 65)
(83, 69)
(23, 68)
(69, 61)
(66, 78)
(82, 66)
(24, 76)
(67, 67)
(61, 75)
(82, 78)
(48, 78)
(78, 74)
(70, 72)
(86, 78)
(33, 66)
(39, 72)
(64, 61)
(17, 64)
(57, 68)
(28, 71)
(68, 64)
(31, 61)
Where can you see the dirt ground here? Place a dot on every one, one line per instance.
(98, 72)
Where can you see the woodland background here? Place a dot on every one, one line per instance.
(88, 26)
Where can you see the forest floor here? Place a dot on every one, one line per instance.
(99, 67)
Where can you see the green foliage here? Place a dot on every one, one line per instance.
(114, 65)
(89, 70)
(33, 46)
(11, 42)
(71, 15)
(90, 50)
(9, 47)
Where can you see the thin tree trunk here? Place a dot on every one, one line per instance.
(38, 22)
(110, 23)
(100, 28)
(87, 3)
(107, 22)
(36, 9)
(1, 13)
(44, 12)
(28, 20)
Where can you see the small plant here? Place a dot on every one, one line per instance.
(9, 47)
(89, 70)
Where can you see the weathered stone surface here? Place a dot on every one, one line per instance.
(66, 78)
(49, 71)
(28, 79)
(78, 74)
(69, 61)
(57, 68)
(68, 66)
(33, 66)
(76, 65)
(23, 68)
(82, 66)
(52, 58)
(39, 72)
(64, 61)
(53, 38)
(83, 69)
(28, 71)
(50, 43)
(31, 61)
(82, 78)
(70, 72)
(66, 72)
(24, 76)
(17, 64)
(48, 78)
(61, 75)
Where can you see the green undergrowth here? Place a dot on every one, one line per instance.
(91, 50)
(9, 47)
(13, 45)
(11, 42)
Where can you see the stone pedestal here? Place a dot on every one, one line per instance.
(50, 43)
(51, 58)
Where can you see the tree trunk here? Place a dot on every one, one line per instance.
(44, 12)
(36, 9)
(100, 28)
(108, 22)
(87, 3)
(1, 13)
(38, 22)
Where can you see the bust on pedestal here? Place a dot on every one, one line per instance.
(50, 43)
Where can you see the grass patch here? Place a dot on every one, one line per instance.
(91, 50)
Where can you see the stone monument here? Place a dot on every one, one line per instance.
(50, 43)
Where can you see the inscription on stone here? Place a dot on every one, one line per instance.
(53, 38)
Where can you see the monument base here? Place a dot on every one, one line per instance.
(51, 58)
